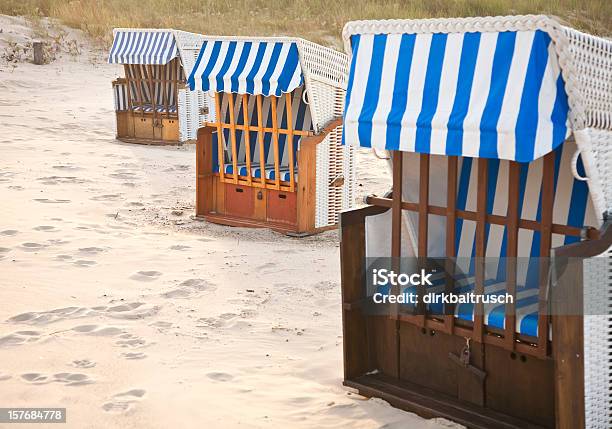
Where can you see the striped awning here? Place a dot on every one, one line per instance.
(143, 47)
(491, 94)
(247, 67)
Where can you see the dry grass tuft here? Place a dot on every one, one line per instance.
(317, 20)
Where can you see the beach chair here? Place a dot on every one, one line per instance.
(152, 105)
(500, 131)
(272, 157)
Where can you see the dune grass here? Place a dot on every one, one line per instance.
(318, 20)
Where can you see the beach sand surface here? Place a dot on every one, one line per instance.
(119, 306)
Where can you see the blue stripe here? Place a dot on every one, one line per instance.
(351, 79)
(431, 91)
(256, 65)
(212, 60)
(527, 121)
(559, 114)
(400, 91)
(191, 79)
(172, 51)
(465, 79)
(291, 63)
(464, 182)
(229, 56)
(246, 49)
(502, 60)
(372, 92)
(265, 86)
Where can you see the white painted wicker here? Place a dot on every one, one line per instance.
(598, 341)
(325, 78)
(195, 107)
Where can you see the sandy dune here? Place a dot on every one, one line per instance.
(120, 307)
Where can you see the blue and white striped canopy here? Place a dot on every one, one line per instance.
(143, 47)
(493, 95)
(247, 67)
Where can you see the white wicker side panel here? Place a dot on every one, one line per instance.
(194, 109)
(335, 163)
(325, 71)
(322, 186)
(601, 141)
(598, 341)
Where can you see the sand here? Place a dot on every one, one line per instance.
(119, 306)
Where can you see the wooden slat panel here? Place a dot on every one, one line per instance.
(513, 215)
(548, 198)
(423, 228)
(289, 113)
(260, 139)
(265, 129)
(481, 213)
(149, 69)
(233, 137)
(396, 221)
(273, 104)
(129, 80)
(220, 149)
(451, 235)
(247, 136)
(532, 225)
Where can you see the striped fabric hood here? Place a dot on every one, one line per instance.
(135, 46)
(266, 67)
(495, 95)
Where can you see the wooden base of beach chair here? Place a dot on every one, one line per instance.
(138, 128)
(252, 202)
(506, 384)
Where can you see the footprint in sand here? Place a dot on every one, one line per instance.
(66, 378)
(220, 376)
(19, 337)
(106, 197)
(133, 356)
(4, 376)
(67, 167)
(32, 247)
(122, 402)
(190, 287)
(45, 228)
(146, 276)
(51, 201)
(99, 331)
(83, 263)
(91, 250)
(9, 232)
(179, 247)
(45, 317)
(132, 311)
(63, 257)
(83, 363)
(131, 341)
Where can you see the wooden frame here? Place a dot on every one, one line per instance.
(405, 358)
(232, 199)
(151, 127)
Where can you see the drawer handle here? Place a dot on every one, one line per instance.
(282, 196)
(239, 190)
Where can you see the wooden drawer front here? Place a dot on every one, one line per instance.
(122, 124)
(143, 127)
(170, 129)
(282, 207)
(239, 201)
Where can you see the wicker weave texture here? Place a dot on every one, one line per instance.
(598, 341)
